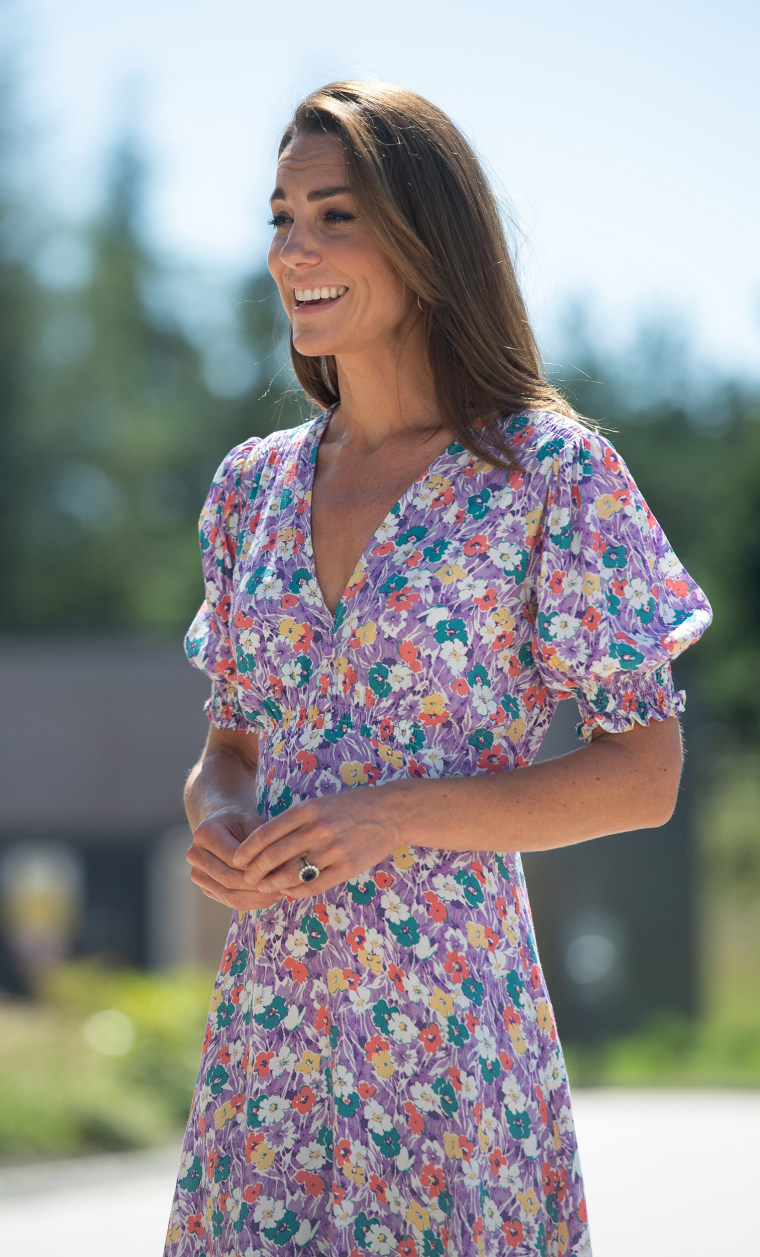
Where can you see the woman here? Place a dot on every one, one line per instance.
(398, 593)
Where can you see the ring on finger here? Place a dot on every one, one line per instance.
(308, 871)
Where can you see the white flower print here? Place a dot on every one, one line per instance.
(510, 1177)
(400, 677)
(394, 907)
(268, 1210)
(425, 1098)
(377, 1119)
(361, 998)
(401, 1028)
(562, 626)
(343, 1214)
(491, 1216)
(378, 1239)
(273, 1109)
(455, 654)
(514, 1098)
(446, 888)
(312, 1157)
(297, 944)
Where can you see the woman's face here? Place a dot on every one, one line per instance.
(321, 246)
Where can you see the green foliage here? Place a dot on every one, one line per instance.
(62, 1091)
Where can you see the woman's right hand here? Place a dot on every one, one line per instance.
(214, 841)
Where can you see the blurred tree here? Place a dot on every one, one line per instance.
(17, 318)
(126, 419)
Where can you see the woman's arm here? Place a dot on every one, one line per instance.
(221, 809)
(621, 781)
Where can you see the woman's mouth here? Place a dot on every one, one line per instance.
(317, 298)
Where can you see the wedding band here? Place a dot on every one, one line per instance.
(308, 871)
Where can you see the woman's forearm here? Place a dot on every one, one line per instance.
(222, 779)
(619, 782)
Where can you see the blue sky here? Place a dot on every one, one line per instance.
(622, 136)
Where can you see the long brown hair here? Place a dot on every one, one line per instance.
(427, 202)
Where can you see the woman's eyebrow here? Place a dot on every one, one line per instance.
(319, 194)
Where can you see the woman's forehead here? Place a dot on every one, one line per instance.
(306, 153)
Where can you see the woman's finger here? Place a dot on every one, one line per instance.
(285, 880)
(288, 850)
(272, 831)
(217, 869)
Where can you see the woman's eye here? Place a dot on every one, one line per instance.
(338, 216)
(279, 220)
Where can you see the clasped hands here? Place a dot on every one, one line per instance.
(246, 864)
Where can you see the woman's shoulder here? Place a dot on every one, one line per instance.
(539, 432)
(258, 458)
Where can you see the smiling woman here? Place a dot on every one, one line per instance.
(398, 594)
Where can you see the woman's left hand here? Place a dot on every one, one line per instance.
(342, 834)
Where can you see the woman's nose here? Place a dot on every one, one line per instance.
(299, 245)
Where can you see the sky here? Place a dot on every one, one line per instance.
(619, 136)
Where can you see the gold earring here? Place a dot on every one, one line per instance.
(419, 303)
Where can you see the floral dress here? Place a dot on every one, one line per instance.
(381, 1072)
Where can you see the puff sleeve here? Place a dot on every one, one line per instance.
(614, 603)
(207, 642)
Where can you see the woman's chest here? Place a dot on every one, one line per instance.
(439, 610)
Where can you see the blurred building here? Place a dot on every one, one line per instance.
(96, 741)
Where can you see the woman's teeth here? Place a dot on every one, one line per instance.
(319, 294)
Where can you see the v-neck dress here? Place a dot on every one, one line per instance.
(381, 1072)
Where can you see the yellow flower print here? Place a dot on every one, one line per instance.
(484, 1138)
(529, 1202)
(518, 1040)
(260, 944)
(504, 618)
(477, 934)
(365, 635)
(403, 858)
(544, 1016)
(607, 505)
(278, 746)
(292, 631)
(174, 1234)
(353, 774)
(383, 1065)
(262, 1155)
(419, 1217)
(216, 999)
(355, 1173)
(449, 573)
(516, 730)
(557, 1137)
(341, 665)
(371, 960)
(391, 756)
(591, 584)
(224, 1114)
(309, 1063)
(533, 522)
(509, 929)
(563, 1237)
(441, 1003)
(452, 1146)
(434, 705)
(336, 981)
(357, 576)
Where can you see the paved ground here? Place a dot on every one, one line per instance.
(668, 1174)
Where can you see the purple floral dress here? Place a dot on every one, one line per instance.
(381, 1072)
